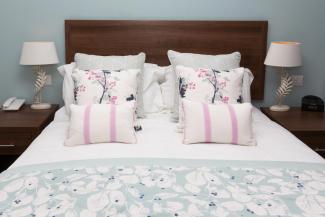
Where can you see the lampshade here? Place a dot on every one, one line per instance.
(38, 53)
(284, 54)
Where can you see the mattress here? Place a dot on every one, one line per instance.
(159, 139)
(160, 176)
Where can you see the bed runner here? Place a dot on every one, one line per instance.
(163, 187)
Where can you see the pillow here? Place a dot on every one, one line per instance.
(221, 123)
(150, 75)
(219, 62)
(61, 69)
(210, 85)
(247, 82)
(104, 86)
(68, 84)
(168, 87)
(152, 97)
(101, 123)
(86, 62)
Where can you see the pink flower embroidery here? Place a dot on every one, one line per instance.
(225, 99)
(222, 84)
(113, 99)
(191, 85)
(203, 73)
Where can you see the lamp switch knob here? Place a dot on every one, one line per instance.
(48, 80)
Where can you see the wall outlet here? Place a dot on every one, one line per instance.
(48, 80)
(298, 80)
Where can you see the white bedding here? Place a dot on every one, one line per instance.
(159, 139)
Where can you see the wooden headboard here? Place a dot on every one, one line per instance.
(116, 37)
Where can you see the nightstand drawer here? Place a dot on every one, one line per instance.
(14, 143)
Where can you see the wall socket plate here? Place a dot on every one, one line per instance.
(48, 80)
(298, 80)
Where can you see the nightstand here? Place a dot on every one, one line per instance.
(309, 127)
(19, 128)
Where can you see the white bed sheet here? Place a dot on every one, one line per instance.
(159, 139)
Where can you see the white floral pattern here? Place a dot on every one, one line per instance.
(163, 190)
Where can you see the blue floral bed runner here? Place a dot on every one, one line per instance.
(163, 187)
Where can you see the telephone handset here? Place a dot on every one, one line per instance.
(13, 104)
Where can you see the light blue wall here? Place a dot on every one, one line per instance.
(29, 20)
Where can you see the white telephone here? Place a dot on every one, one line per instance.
(13, 104)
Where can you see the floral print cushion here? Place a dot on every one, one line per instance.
(210, 85)
(104, 86)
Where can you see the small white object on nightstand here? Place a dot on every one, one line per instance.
(283, 55)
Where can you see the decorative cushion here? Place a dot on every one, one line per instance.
(101, 123)
(210, 85)
(218, 62)
(104, 86)
(116, 63)
(221, 123)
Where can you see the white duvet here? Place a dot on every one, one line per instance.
(159, 139)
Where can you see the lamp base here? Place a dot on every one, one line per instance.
(280, 108)
(40, 106)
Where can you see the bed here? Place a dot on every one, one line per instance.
(160, 176)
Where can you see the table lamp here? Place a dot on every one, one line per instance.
(39, 54)
(283, 55)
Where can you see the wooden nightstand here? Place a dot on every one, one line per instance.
(309, 127)
(19, 128)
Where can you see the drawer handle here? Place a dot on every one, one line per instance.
(10, 145)
(320, 149)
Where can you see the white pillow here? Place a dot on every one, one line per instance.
(101, 123)
(150, 75)
(104, 86)
(168, 87)
(86, 62)
(152, 99)
(152, 96)
(221, 123)
(68, 84)
(61, 70)
(219, 62)
(247, 82)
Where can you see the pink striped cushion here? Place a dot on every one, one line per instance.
(101, 123)
(220, 123)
